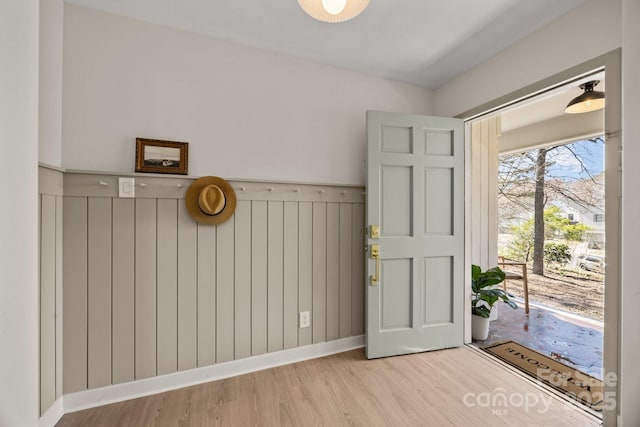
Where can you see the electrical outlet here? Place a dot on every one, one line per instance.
(305, 319)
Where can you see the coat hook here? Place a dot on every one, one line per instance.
(343, 192)
(142, 184)
(179, 185)
(320, 191)
(296, 190)
(103, 183)
(270, 189)
(364, 193)
(243, 188)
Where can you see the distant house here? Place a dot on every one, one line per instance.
(591, 216)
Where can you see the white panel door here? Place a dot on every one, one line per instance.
(415, 195)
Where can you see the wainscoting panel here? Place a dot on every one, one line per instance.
(305, 266)
(75, 267)
(206, 296)
(50, 220)
(148, 291)
(123, 299)
(187, 290)
(47, 300)
(99, 267)
(145, 288)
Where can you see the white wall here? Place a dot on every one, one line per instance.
(630, 377)
(246, 113)
(50, 108)
(18, 219)
(585, 33)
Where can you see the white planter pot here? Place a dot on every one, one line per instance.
(494, 313)
(479, 327)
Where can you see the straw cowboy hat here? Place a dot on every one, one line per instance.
(210, 200)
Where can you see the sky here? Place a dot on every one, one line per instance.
(566, 165)
(563, 164)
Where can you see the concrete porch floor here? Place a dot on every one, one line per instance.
(565, 337)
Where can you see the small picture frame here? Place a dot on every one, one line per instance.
(158, 156)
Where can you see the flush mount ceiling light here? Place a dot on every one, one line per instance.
(333, 11)
(590, 100)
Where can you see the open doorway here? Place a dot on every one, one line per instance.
(565, 292)
(481, 216)
(514, 148)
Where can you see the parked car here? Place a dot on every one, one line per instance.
(590, 263)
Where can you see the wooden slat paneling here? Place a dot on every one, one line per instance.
(206, 295)
(50, 207)
(319, 312)
(475, 194)
(305, 267)
(357, 272)
(484, 192)
(145, 329)
(333, 271)
(258, 278)
(167, 282)
(99, 291)
(242, 280)
(123, 273)
(274, 276)
(59, 302)
(75, 294)
(290, 253)
(187, 289)
(225, 334)
(148, 291)
(346, 237)
(47, 301)
(492, 190)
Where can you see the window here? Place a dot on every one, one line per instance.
(598, 217)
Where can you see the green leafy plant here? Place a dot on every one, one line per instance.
(484, 293)
(556, 226)
(558, 253)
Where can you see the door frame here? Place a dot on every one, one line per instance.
(611, 64)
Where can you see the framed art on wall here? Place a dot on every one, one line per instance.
(158, 156)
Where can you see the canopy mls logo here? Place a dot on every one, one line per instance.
(499, 401)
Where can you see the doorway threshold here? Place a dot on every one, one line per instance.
(548, 390)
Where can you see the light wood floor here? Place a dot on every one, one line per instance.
(426, 389)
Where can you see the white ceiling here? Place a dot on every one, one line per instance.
(546, 106)
(423, 42)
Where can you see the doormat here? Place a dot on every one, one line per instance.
(582, 387)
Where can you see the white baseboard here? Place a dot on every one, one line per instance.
(53, 414)
(131, 390)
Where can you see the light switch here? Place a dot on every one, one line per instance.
(126, 187)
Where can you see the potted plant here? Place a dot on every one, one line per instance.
(484, 296)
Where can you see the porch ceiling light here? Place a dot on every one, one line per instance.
(333, 11)
(590, 100)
